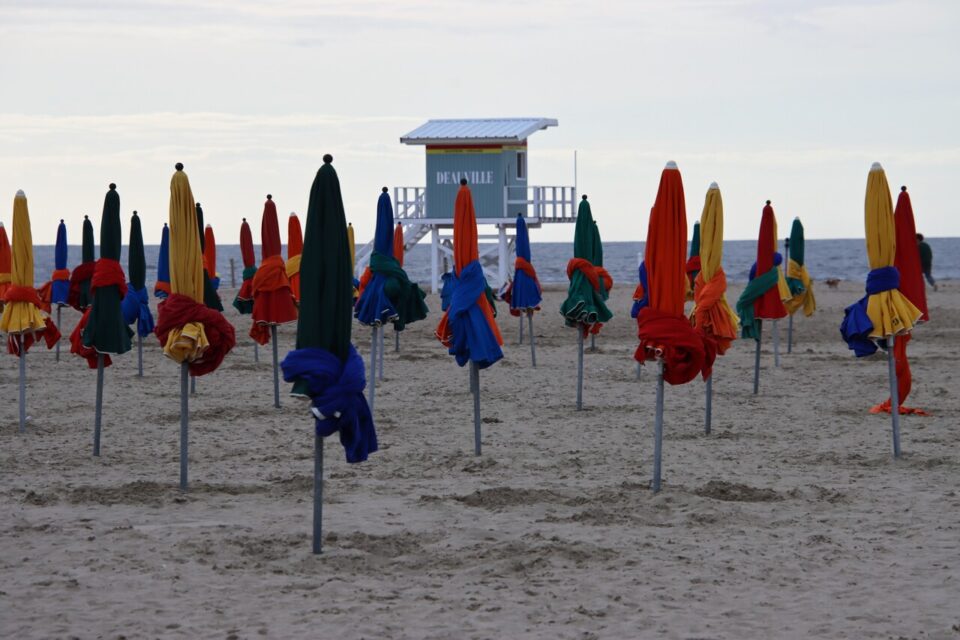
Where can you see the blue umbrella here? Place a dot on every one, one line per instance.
(162, 290)
(524, 292)
(60, 282)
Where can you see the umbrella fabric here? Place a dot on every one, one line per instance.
(711, 312)
(294, 249)
(913, 287)
(386, 294)
(57, 290)
(22, 319)
(353, 260)
(5, 261)
(398, 245)
(468, 328)
(760, 299)
(162, 288)
(589, 282)
(884, 312)
(801, 286)
(243, 302)
(188, 330)
(136, 304)
(524, 293)
(273, 301)
(210, 257)
(662, 327)
(640, 297)
(210, 296)
(80, 296)
(102, 329)
(325, 366)
(693, 262)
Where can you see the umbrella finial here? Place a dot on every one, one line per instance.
(876, 166)
(293, 214)
(383, 190)
(208, 225)
(21, 194)
(269, 197)
(583, 197)
(134, 212)
(713, 185)
(671, 165)
(164, 225)
(463, 182)
(244, 220)
(86, 217)
(327, 158)
(768, 203)
(61, 220)
(178, 166)
(903, 189)
(113, 187)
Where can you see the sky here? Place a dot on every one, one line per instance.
(787, 100)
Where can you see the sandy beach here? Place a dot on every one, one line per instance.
(791, 520)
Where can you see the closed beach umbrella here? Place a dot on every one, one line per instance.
(761, 298)
(243, 302)
(210, 257)
(22, 320)
(210, 296)
(712, 316)
(57, 290)
(468, 328)
(102, 331)
(294, 249)
(80, 297)
(136, 304)
(5, 261)
(884, 313)
(398, 245)
(325, 367)
(914, 289)
(162, 288)
(585, 308)
(524, 293)
(273, 302)
(665, 333)
(353, 260)
(693, 262)
(191, 334)
(798, 280)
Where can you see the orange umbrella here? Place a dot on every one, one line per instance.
(398, 246)
(294, 249)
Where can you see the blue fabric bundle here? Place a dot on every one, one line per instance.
(373, 306)
(856, 325)
(60, 289)
(645, 300)
(777, 261)
(473, 339)
(525, 293)
(136, 307)
(336, 393)
(163, 261)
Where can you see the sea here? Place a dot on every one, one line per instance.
(844, 259)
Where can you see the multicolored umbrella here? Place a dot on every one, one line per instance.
(884, 313)
(5, 262)
(294, 249)
(585, 307)
(210, 296)
(162, 288)
(693, 262)
(102, 331)
(192, 334)
(798, 280)
(273, 302)
(325, 367)
(136, 304)
(468, 328)
(80, 296)
(912, 286)
(210, 258)
(762, 298)
(666, 335)
(711, 314)
(524, 294)
(22, 320)
(243, 302)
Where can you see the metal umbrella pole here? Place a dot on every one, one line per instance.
(790, 334)
(658, 430)
(533, 346)
(59, 307)
(396, 340)
(475, 387)
(317, 492)
(98, 412)
(776, 343)
(579, 367)
(756, 360)
(276, 367)
(709, 405)
(521, 329)
(23, 385)
(256, 352)
(193, 385)
(894, 396)
(372, 375)
(383, 332)
(184, 423)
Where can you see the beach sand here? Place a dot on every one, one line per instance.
(791, 520)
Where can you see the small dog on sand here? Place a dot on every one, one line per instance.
(832, 282)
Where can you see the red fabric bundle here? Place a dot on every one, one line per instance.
(273, 301)
(179, 310)
(50, 332)
(904, 380)
(769, 306)
(364, 281)
(693, 268)
(77, 347)
(521, 264)
(593, 274)
(163, 286)
(709, 316)
(907, 260)
(685, 351)
(82, 273)
(106, 273)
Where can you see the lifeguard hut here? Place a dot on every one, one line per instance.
(492, 155)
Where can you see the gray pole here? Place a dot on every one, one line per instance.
(372, 373)
(894, 396)
(756, 360)
(521, 329)
(276, 367)
(139, 354)
(256, 352)
(193, 385)
(709, 410)
(593, 342)
(233, 276)
(579, 367)
(790, 334)
(533, 347)
(184, 424)
(98, 412)
(776, 343)
(639, 369)
(23, 385)
(396, 340)
(475, 384)
(383, 332)
(317, 492)
(58, 329)
(658, 430)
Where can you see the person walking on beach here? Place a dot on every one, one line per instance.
(926, 260)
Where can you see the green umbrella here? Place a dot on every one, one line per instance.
(585, 306)
(136, 305)
(325, 366)
(210, 296)
(87, 257)
(105, 330)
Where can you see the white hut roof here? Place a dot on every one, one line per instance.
(485, 130)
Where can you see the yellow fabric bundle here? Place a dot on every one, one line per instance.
(805, 299)
(21, 317)
(711, 250)
(293, 265)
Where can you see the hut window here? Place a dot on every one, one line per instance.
(521, 165)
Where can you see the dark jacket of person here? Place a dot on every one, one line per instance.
(926, 256)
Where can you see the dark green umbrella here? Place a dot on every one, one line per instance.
(136, 305)
(325, 366)
(79, 296)
(585, 306)
(210, 296)
(105, 331)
